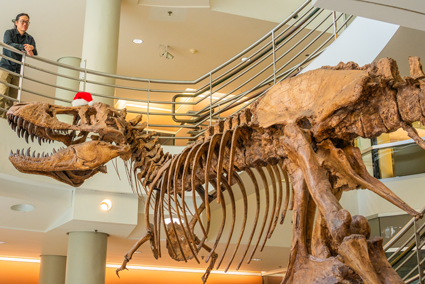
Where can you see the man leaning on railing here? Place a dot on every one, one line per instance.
(19, 39)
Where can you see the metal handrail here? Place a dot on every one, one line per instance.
(263, 49)
(261, 57)
(417, 243)
(402, 232)
(290, 71)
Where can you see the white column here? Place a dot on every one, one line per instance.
(100, 44)
(86, 261)
(52, 269)
(65, 82)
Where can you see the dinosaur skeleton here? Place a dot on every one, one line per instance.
(302, 130)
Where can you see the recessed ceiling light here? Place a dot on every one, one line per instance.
(106, 204)
(2, 243)
(245, 59)
(22, 207)
(137, 252)
(256, 259)
(137, 41)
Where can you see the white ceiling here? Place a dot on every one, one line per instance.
(406, 13)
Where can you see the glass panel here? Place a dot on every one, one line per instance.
(374, 227)
(388, 227)
(398, 161)
(391, 225)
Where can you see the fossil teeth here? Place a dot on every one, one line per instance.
(50, 141)
(28, 153)
(54, 151)
(38, 155)
(11, 153)
(33, 154)
(15, 119)
(31, 128)
(32, 137)
(39, 140)
(25, 124)
(26, 136)
(22, 152)
(49, 132)
(18, 131)
(20, 121)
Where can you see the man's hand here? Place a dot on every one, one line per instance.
(29, 49)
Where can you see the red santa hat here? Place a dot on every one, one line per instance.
(82, 99)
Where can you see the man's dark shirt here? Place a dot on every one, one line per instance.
(13, 38)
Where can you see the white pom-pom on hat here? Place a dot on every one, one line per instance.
(82, 99)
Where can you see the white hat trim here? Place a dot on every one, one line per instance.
(80, 102)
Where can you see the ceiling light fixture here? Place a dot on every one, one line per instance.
(2, 243)
(137, 41)
(20, 259)
(256, 259)
(22, 207)
(106, 204)
(121, 104)
(165, 54)
(150, 107)
(152, 268)
(182, 270)
(245, 59)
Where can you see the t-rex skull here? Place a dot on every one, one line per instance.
(81, 159)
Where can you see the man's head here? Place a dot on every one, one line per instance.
(22, 22)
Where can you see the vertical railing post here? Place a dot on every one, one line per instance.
(418, 252)
(210, 98)
(274, 59)
(149, 101)
(335, 27)
(21, 78)
(85, 75)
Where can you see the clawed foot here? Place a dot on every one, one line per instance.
(123, 265)
(210, 267)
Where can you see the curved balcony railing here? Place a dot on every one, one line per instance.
(223, 91)
(404, 251)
